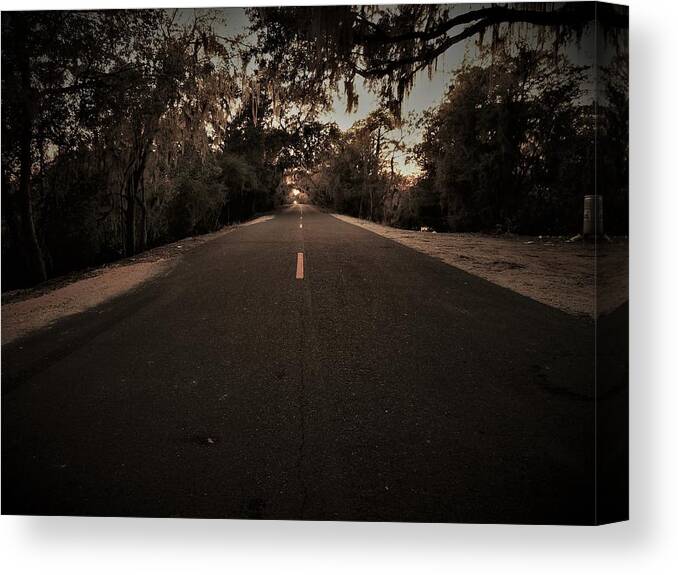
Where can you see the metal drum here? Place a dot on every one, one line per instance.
(593, 215)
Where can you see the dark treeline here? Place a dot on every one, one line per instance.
(522, 135)
(511, 148)
(123, 130)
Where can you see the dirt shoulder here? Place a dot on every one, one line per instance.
(549, 270)
(27, 310)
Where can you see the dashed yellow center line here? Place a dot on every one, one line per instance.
(300, 255)
(300, 266)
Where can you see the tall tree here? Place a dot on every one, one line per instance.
(328, 47)
(509, 145)
(103, 92)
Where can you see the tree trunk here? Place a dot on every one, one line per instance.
(375, 174)
(144, 217)
(133, 182)
(29, 240)
(364, 186)
(130, 215)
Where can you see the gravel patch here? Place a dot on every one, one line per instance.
(550, 270)
(28, 310)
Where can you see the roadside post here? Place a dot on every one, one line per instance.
(593, 216)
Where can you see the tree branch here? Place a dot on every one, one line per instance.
(577, 14)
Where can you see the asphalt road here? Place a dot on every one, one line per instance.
(384, 385)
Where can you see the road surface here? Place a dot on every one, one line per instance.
(315, 372)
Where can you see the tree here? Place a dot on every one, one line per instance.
(613, 143)
(319, 47)
(508, 147)
(125, 129)
(173, 93)
(352, 174)
(104, 94)
(30, 83)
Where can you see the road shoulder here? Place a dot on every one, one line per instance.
(549, 270)
(28, 310)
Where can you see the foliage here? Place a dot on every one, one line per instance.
(117, 136)
(508, 148)
(126, 129)
(323, 49)
(613, 143)
(353, 176)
